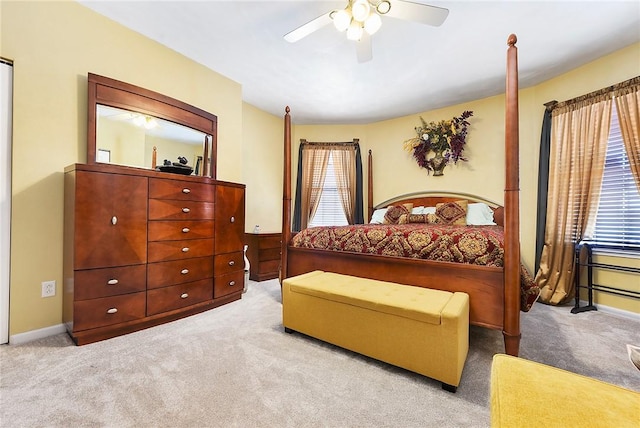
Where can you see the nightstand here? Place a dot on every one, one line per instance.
(263, 254)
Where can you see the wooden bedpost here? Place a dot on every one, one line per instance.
(370, 186)
(286, 197)
(511, 325)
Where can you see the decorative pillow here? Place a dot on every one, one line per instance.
(452, 212)
(429, 210)
(417, 210)
(479, 214)
(418, 218)
(395, 211)
(378, 216)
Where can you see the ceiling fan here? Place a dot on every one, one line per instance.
(362, 18)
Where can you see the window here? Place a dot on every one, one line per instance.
(330, 211)
(618, 218)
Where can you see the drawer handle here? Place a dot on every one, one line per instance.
(186, 210)
(186, 230)
(114, 220)
(231, 263)
(185, 190)
(232, 283)
(112, 310)
(185, 249)
(184, 271)
(112, 282)
(184, 295)
(233, 219)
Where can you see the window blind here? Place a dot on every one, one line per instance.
(618, 217)
(329, 212)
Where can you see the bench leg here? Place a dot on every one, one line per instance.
(449, 388)
(288, 330)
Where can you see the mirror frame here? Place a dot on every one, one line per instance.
(114, 93)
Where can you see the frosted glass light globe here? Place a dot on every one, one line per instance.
(341, 20)
(360, 10)
(373, 23)
(354, 32)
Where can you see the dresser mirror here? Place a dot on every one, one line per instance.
(136, 127)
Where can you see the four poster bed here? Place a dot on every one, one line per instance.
(498, 288)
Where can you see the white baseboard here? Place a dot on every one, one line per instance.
(614, 311)
(19, 339)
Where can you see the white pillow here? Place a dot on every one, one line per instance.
(417, 210)
(479, 214)
(429, 210)
(378, 216)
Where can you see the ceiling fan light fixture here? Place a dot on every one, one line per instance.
(373, 23)
(341, 19)
(360, 10)
(383, 7)
(354, 32)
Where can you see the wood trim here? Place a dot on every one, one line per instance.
(511, 324)
(370, 187)
(286, 196)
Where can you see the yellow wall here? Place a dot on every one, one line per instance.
(63, 41)
(262, 136)
(53, 46)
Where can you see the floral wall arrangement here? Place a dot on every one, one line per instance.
(446, 139)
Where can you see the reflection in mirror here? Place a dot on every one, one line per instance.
(125, 137)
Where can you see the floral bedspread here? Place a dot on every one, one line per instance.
(479, 245)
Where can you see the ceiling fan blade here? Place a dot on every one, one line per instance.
(363, 48)
(308, 28)
(417, 12)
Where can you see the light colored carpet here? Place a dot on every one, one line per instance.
(235, 367)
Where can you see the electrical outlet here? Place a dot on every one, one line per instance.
(48, 288)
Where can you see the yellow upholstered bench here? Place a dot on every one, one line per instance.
(529, 394)
(422, 330)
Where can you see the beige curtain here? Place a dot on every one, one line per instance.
(344, 166)
(314, 169)
(628, 104)
(579, 135)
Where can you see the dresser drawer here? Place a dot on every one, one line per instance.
(269, 267)
(93, 283)
(269, 241)
(227, 263)
(183, 190)
(172, 230)
(161, 209)
(269, 254)
(178, 296)
(179, 271)
(227, 284)
(161, 251)
(105, 311)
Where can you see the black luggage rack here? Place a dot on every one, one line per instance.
(591, 287)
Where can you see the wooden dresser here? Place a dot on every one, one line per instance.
(143, 247)
(263, 254)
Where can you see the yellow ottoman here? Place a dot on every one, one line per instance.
(529, 394)
(419, 329)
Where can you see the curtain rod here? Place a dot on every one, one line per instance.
(345, 143)
(551, 105)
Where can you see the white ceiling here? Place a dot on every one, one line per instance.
(415, 67)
